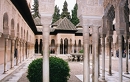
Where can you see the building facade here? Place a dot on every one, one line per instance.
(16, 32)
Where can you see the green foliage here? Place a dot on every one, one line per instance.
(56, 15)
(74, 18)
(65, 12)
(59, 70)
(35, 11)
(81, 51)
(35, 71)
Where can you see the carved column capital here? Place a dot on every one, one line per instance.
(6, 36)
(0, 34)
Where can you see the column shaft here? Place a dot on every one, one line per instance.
(86, 66)
(120, 57)
(12, 53)
(96, 52)
(127, 70)
(110, 61)
(103, 58)
(46, 32)
(5, 55)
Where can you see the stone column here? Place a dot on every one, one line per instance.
(120, 57)
(72, 48)
(93, 59)
(24, 47)
(110, 59)
(106, 46)
(96, 51)
(58, 49)
(127, 54)
(103, 57)
(18, 50)
(114, 49)
(12, 52)
(5, 52)
(46, 34)
(86, 66)
(21, 52)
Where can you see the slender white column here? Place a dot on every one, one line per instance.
(127, 70)
(5, 53)
(86, 66)
(93, 59)
(103, 57)
(20, 52)
(110, 60)
(46, 31)
(120, 57)
(12, 52)
(114, 49)
(58, 49)
(17, 58)
(96, 41)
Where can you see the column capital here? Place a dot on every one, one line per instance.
(6, 36)
(12, 38)
(103, 35)
(0, 34)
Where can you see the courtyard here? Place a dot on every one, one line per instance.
(76, 71)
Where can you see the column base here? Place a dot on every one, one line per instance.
(0, 34)
(126, 73)
(102, 80)
(110, 74)
(5, 72)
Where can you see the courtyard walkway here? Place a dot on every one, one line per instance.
(19, 73)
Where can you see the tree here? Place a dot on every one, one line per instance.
(35, 11)
(65, 12)
(56, 15)
(74, 18)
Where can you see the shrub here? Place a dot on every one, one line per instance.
(59, 70)
(81, 51)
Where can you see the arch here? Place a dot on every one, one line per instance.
(65, 46)
(12, 27)
(36, 46)
(27, 36)
(24, 35)
(40, 47)
(18, 30)
(52, 46)
(5, 24)
(61, 46)
(5, 21)
(75, 47)
(79, 45)
(21, 32)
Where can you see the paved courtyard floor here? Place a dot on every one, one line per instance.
(76, 72)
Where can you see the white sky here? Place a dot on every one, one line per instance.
(60, 3)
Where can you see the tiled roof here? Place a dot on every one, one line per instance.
(40, 29)
(80, 31)
(57, 22)
(65, 24)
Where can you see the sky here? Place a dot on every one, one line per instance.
(60, 3)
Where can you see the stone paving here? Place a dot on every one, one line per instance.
(76, 72)
(115, 74)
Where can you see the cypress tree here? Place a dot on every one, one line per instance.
(35, 11)
(65, 12)
(56, 15)
(74, 18)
